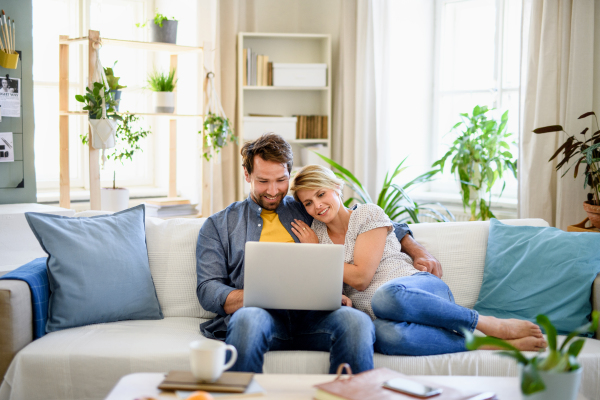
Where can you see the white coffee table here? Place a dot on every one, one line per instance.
(300, 387)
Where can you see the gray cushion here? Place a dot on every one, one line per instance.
(97, 267)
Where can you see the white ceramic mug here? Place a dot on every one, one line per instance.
(207, 359)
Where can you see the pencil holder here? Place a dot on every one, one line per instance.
(9, 60)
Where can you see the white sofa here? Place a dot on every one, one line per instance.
(86, 362)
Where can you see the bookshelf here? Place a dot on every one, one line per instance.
(284, 100)
(92, 39)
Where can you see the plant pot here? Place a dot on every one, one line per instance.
(103, 132)
(164, 102)
(166, 34)
(117, 97)
(114, 199)
(593, 213)
(9, 60)
(559, 385)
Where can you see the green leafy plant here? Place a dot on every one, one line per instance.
(158, 20)
(393, 198)
(480, 156)
(111, 79)
(159, 81)
(93, 102)
(217, 132)
(563, 359)
(586, 151)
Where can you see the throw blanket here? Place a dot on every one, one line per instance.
(34, 273)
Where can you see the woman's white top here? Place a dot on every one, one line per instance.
(394, 263)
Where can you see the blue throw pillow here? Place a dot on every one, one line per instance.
(532, 270)
(97, 268)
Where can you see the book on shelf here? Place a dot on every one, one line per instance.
(369, 385)
(170, 210)
(168, 201)
(311, 127)
(259, 66)
(257, 69)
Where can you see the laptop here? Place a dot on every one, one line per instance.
(293, 276)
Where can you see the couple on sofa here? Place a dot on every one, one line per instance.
(394, 300)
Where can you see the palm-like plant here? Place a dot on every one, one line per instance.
(393, 198)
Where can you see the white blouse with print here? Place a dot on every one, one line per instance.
(394, 263)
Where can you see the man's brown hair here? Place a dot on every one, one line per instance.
(270, 147)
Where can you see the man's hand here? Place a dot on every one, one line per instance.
(234, 301)
(304, 233)
(346, 301)
(422, 260)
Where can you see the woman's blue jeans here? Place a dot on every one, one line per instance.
(417, 316)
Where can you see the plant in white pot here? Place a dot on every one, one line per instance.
(163, 85)
(128, 136)
(554, 375)
(162, 29)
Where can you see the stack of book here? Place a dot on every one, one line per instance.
(311, 127)
(170, 207)
(258, 71)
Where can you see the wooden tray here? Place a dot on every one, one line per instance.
(580, 227)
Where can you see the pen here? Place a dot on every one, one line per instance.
(8, 144)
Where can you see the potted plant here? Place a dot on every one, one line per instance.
(162, 85)
(555, 375)
(393, 198)
(128, 135)
(585, 151)
(103, 131)
(217, 132)
(480, 156)
(113, 85)
(162, 29)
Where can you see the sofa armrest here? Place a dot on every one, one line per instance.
(16, 320)
(596, 299)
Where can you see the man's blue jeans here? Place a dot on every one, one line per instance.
(346, 333)
(417, 316)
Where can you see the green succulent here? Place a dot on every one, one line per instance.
(111, 79)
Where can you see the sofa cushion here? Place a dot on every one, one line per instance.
(533, 270)
(460, 247)
(97, 268)
(172, 254)
(85, 363)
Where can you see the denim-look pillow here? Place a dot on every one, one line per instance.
(97, 267)
(531, 270)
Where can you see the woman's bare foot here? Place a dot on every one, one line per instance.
(508, 328)
(529, 343)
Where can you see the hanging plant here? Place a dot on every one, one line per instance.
(217, 132)
(217, 128)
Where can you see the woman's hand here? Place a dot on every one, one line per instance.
(346, 301)
(304, 232)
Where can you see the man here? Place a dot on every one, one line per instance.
(266, 215)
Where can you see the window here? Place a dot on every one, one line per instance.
(113, 18)
(447, 57)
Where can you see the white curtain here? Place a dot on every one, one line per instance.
(361, 128)
(558, 85)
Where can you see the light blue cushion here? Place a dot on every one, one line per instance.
(531, 270)
(97, 267)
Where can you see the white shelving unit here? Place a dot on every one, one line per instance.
(282, 100)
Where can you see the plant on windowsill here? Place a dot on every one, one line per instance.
(163, 85)
(128, 136)
(552, 376)
(161, 28)
(113, 85)
(480, 157)
(585, 151)
(393, 198)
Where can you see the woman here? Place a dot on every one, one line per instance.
(414, 312)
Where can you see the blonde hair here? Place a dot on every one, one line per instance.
(314, 177)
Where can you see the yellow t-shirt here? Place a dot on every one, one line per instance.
(273, 230)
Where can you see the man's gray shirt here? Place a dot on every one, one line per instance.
(220, 253)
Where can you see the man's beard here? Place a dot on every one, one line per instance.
(260, 200)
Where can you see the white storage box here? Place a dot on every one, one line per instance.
(299, 75)
(285, 127)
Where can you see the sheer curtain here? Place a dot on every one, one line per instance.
(559, 84)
